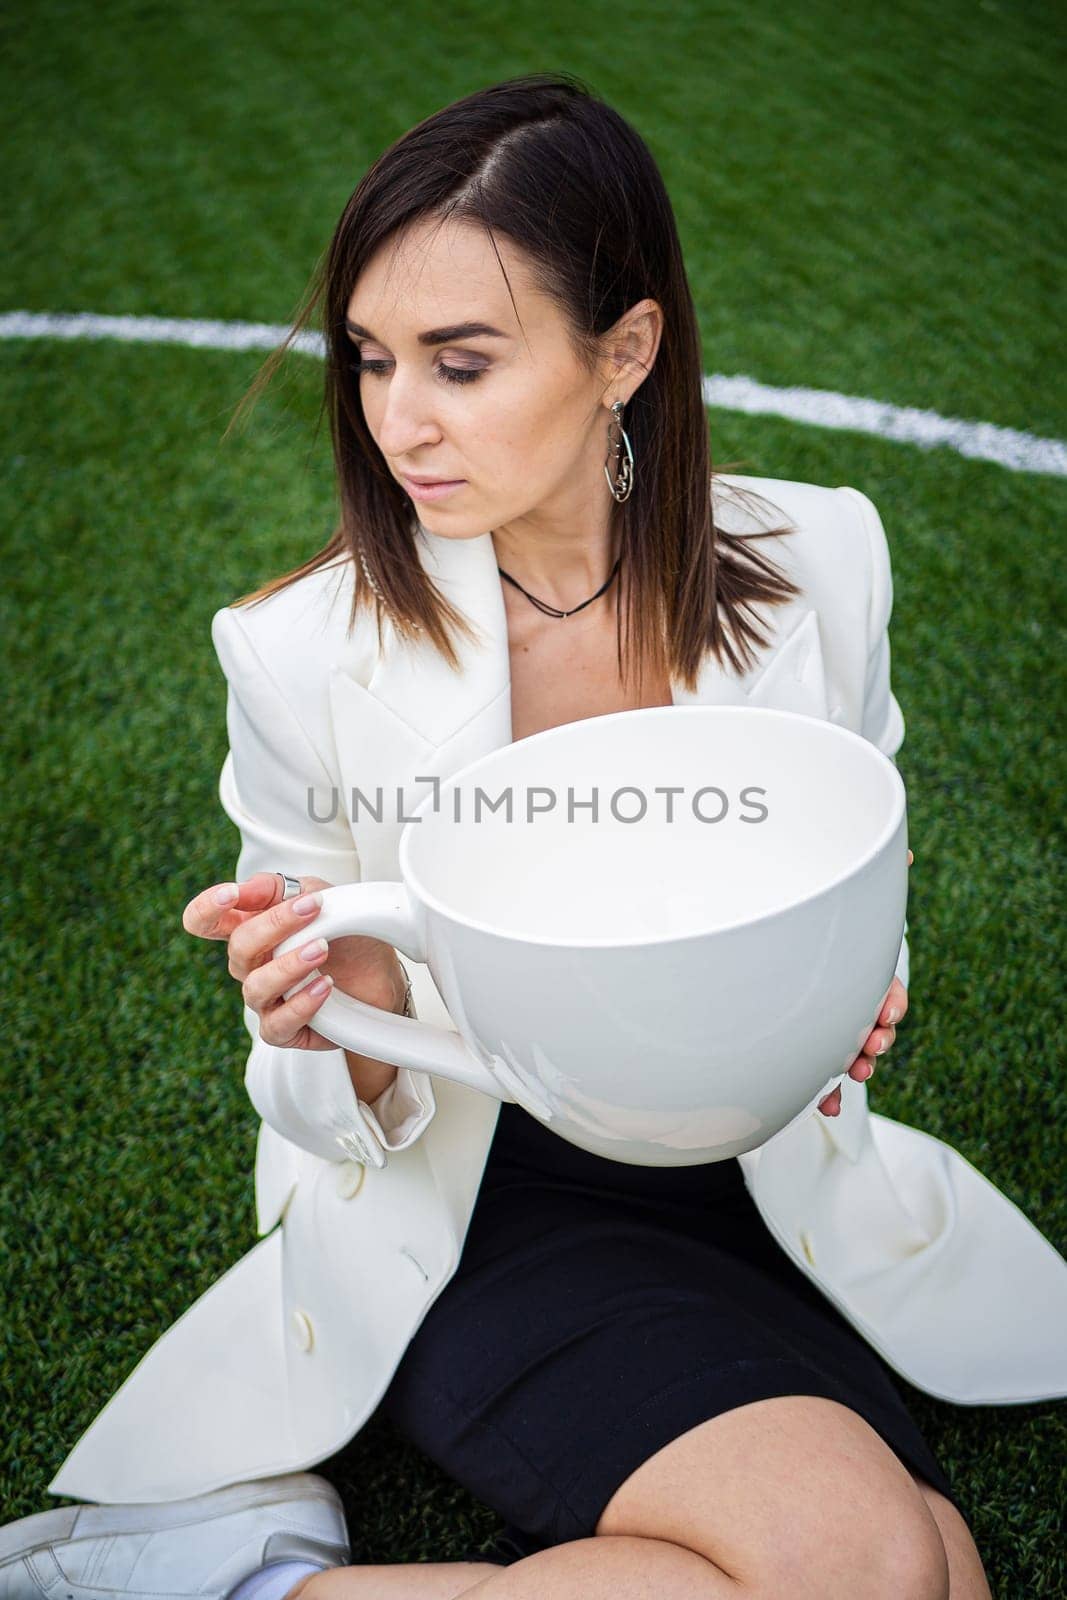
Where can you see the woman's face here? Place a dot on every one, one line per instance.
(509, 411)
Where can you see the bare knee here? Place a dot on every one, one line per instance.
(893, 1551)
(909, 1563)
(900, 1558)
(794, 1495)
(967, 1575)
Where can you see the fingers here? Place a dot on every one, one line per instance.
(254, 918)
(265, 984)
(861, 1069)
(286, 1024)
(896, 1004)
(831, 1106)
(218, 910)
(877, 1042)
(252, 941)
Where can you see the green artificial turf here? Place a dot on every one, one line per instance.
(868, 202)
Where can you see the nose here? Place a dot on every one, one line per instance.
(406, 419)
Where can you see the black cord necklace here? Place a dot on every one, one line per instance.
(554, 611)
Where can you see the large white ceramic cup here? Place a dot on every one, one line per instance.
(672, 977)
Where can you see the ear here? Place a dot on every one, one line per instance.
(633, 342)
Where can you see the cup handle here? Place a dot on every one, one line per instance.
(385, 911)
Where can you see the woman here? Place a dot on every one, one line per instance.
(622, 1361)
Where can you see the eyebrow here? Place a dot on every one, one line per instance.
(459, 330)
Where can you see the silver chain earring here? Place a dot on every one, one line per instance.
(621, 481)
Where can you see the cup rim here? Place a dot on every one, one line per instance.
(898, 811)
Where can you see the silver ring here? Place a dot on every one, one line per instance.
(290, 886)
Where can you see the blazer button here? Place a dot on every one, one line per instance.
(349, 1179)
(303, 1333)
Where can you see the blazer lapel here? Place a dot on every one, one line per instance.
(788, 675)
(416, 718)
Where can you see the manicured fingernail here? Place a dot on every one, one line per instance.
(314, 951)
(307, 903)
(892, 1015)
(226, 894)
(320, 985)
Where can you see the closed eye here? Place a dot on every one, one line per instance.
(450, 374)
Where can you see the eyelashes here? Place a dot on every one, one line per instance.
(450, 374)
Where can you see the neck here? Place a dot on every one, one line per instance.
(560, 571)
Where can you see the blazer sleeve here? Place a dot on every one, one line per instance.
(882, 720)
(305, 1095)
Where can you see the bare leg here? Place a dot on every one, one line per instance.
(573, 1568)
(605, 1567)
(966, 1575)
(611, 1567)
(408, 1580)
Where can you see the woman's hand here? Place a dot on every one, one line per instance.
(255, 920)
(877, 1041)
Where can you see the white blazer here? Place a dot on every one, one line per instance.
(286, 1356)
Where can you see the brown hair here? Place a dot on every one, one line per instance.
(543, 161)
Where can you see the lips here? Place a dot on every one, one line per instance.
(436, 489)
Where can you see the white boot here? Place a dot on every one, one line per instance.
(194, 1549)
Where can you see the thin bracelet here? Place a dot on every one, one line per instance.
(408, 1009)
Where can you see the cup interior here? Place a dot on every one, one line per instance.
(574, 836)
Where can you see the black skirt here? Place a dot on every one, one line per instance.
(598, 1311)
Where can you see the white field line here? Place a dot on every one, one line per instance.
(820, 408)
